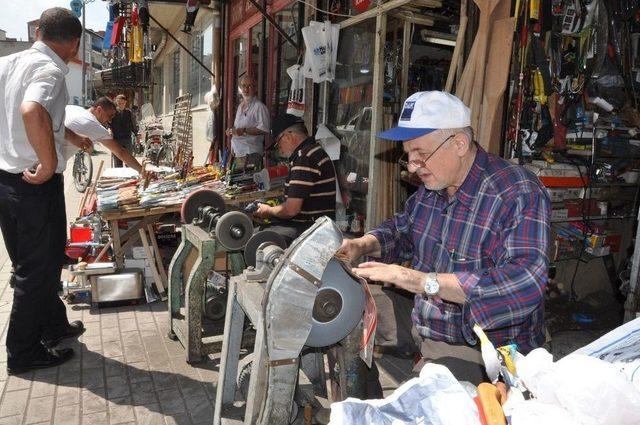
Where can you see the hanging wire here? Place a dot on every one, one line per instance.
(325, 11)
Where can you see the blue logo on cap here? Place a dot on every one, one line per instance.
(407, 110)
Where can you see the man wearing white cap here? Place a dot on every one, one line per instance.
(476, 233)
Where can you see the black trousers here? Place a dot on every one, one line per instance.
(33, 224)
(117, 162)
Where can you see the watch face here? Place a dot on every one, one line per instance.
(431, 286)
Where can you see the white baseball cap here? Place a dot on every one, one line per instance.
(427, 111)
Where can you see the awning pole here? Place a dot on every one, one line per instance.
(182, 46)
(273, 22)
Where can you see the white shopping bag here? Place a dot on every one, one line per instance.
(321, 44)
(295, 106)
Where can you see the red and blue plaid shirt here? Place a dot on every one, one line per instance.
(493, 235)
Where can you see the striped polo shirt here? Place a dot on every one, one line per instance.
(312, 178)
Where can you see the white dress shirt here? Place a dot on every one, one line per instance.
(81, 121)
(255, 116)
(34, 75)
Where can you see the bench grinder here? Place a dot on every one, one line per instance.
(209, 228)
(303, 303)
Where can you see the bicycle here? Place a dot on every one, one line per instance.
(82, 170)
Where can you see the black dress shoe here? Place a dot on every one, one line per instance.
(48, 358)
(74, 330)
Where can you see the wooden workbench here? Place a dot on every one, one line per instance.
(144, 230)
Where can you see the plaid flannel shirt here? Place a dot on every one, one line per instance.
(493, 235)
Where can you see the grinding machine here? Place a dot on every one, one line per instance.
(195, 290)
(304, 304)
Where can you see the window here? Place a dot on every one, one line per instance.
(199, 78)
(349, 114)
(158, 85)
(175, 81)
(258, 41)
(285, 56)
(239, 66)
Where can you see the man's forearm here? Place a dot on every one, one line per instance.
(39, 129)
(254, 131)
(122, 154)
(71, 136)
(369, 246)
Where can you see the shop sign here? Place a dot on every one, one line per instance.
(361, 5)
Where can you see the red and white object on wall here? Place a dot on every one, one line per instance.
(361, 5)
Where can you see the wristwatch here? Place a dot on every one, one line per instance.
(431, 284)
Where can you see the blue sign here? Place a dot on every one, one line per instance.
(76, 7)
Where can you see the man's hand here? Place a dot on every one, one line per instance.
(263, 211)
(402, 277)
(353, 249)
(349, 250)
(229, 131)
(145, 173)
(85, 144)
(39, 176)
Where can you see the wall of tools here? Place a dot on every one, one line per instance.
(572, 118)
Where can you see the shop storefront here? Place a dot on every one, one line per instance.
(254, 47)
(373, 76)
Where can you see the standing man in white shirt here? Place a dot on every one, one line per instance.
(251, 123)
(91, 123)
(32, 208)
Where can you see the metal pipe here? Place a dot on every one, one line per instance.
(273, 22)
(84, 55)
(182, 46)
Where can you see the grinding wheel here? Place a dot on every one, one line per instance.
(251, 249)
(338, 306)
(201, 198)
(233, 230)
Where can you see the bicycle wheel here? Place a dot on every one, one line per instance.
(82, 171)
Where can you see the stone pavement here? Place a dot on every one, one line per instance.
(125, 371)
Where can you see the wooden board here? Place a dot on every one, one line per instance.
(498, 68)
(482, 38)
(453, 68)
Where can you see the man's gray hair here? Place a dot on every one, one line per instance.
(250, 78)
(299, 128)
(467, 131)
(59, 25)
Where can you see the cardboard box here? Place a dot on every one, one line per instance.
(559, 214)
(139, 252)
(131, 263)
(148, 271)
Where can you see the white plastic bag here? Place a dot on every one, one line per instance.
(296, 106)
(590, 390)
(435, 397)
(321, 49)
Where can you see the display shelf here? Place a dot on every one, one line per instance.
(592, 218)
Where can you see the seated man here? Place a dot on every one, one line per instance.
(476, 233)
(310, 187)
(90, 123)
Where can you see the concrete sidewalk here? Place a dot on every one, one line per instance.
(125, 371)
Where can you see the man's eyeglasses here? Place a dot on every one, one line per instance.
(420, 163)
(245, 86)
(279, 139)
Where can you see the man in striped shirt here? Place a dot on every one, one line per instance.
(310, 187)
(476, 233)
